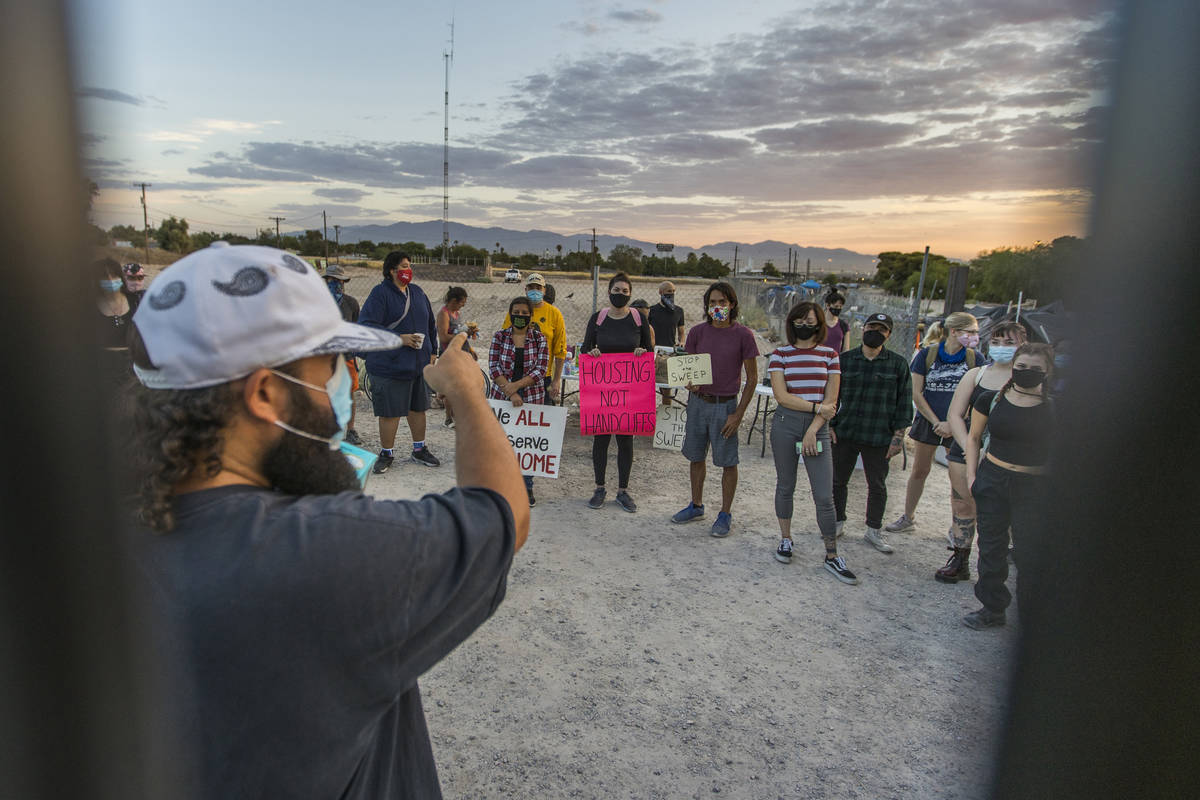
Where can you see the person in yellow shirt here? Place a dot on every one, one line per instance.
(550, 322)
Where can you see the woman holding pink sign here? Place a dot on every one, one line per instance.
(518, 360)
(616, 329)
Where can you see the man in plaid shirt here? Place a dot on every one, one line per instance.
(875, 406)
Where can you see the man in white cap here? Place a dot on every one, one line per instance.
(549, 321)
(292, 613)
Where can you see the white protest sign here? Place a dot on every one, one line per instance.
(535, 433)
(669, 429)
(694, 368)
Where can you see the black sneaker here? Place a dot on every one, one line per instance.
(626, 502)
(532, 499)
(837, 568)
(352, 437)
(382, 464)
(423, 456)
(978, 620)
(597, 498)
(783, 554)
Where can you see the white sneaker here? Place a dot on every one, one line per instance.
(878, 540)
(900, 525)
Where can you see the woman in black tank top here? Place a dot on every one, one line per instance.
(1003, 342)
(1008, 480)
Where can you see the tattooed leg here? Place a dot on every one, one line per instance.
(964, 531)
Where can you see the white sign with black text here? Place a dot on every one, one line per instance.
(535, 433)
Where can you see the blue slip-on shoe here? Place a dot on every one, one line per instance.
(720, 528)
(689, 513)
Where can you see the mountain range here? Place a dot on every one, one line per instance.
(749, 255)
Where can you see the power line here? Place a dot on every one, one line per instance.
(278, 238)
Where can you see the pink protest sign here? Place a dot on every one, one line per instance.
(616, 394)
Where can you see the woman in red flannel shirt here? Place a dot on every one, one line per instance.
(517, 361)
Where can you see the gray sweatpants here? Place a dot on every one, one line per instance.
(787, 428)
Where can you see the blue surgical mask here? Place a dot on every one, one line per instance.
(111, 286)
(1002, 353)
(535, 296)
(338, 389)
(361, 460)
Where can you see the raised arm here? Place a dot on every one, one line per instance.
(483, 455)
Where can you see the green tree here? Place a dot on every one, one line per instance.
(1039, 272)
(770, 270)
(709, 267)
(172, 235)
(895, 269)
(625, 258)
(830, 280)
(128, 233)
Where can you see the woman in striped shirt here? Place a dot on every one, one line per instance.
(805, 376)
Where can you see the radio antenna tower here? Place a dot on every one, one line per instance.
(447, 57)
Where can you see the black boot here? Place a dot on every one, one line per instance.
(958, 568)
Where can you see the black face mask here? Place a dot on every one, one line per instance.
(1027, 378)
(520, 322)
(874, 338)
(804, 330)
(618, 300)
(837, 312)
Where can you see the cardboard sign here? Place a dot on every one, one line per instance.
(535, 433)
(672, 422)
(616, 394)
(694, 368)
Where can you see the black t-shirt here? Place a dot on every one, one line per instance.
(1017, 434)
(518, 370)
(296, 629)
(666, 322)
(617, 335)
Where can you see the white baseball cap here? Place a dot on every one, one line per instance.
(220, 313)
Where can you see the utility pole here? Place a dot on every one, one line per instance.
(735, 249)
(337, 231)
(916, 309)
(789, 266)
(278, 238)
(145, 218)
(447, 57)
(807, 268)
(595, 275)
(325, 237)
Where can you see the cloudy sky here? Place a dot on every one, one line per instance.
(867, 124)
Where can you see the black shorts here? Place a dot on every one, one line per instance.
(392, 397)
(956, 454)
(921, 431)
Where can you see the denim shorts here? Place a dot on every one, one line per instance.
(703, 428)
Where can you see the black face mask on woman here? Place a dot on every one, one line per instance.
(618, 300)
(1028, 378)
(804, 330)
(873, 339)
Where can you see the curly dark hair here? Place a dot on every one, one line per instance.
(175, 434)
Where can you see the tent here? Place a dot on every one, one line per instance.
(810, 284)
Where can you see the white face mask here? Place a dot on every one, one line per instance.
(1002, 353)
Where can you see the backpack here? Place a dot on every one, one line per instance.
(931, 354)
(603, 315)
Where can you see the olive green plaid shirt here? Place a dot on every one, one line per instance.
(875, 399)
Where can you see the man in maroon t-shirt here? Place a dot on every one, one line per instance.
(714, 412)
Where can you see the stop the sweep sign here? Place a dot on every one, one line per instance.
(535, 433)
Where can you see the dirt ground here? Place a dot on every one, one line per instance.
(637, 658)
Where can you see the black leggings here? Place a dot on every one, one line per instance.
(624, 457)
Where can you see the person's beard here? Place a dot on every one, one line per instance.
(296, 465)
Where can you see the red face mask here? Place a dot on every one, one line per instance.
(404, 276)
